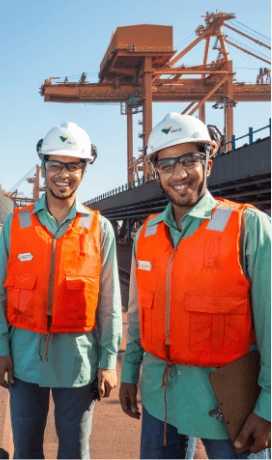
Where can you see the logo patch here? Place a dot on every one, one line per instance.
(143, 265)
(63, 138)
(166, 130)
(26, 256)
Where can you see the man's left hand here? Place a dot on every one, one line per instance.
(107, 380)
(259, 429)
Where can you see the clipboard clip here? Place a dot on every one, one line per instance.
(216, 413)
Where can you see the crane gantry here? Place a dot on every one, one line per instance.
(138, 69)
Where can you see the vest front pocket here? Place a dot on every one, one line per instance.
(20, 292)
(145, 300)
(218, 324)
(81, 296)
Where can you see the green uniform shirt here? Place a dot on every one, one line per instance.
(189, 394)
(73, 358)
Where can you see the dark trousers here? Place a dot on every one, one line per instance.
(182, 446)
(29, 406)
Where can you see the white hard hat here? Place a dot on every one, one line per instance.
(67, 139)
(177, 129)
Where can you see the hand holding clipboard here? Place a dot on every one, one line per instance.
(236, 389)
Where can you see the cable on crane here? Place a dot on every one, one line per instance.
(253, 50)
(243, 56)
(22, 180)
(255, 31)
(184, 40)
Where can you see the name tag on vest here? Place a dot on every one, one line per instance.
(26, 256)
(143, 265)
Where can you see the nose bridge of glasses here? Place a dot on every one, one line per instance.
(64, 168)
(180, 167)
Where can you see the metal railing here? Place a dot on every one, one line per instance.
(143, 180)
(249, 135)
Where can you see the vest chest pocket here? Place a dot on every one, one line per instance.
(81, 296)
(218, 324)
(20, 292)
(145, 300)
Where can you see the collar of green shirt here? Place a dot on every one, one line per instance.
(201, 210)
(77, 207)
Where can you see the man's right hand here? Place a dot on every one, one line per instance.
(6, 365)
(128, 399)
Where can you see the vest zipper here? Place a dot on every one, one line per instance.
(51, 283)
(168, 301)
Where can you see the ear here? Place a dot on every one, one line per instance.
(209, 167)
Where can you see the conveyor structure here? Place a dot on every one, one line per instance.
(243, 176)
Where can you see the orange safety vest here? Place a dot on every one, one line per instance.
(194, 302)
(53, 277)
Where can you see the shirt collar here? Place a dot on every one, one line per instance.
(77, 207)
(201, 210)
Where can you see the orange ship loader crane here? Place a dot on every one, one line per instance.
(139, 68)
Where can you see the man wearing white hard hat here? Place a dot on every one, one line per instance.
(60, 315)
(200, 281)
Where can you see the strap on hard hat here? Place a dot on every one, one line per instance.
(39, 145)
(93, 153)
(216, 136)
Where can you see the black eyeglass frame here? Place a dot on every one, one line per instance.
(198, 155)
(80, 165)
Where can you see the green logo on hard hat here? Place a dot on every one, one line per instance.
(166, 130)
(63, 138)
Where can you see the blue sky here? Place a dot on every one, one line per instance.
(58, 38)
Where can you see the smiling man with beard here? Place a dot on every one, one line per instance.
(200, 280)
(60, 315)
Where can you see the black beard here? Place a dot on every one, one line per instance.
(185, 205)
(60, 197)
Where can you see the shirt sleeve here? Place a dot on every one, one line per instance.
(132, 359)
(4, 255)
(257, 254)
(109, 310)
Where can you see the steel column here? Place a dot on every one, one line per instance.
(201, 109)
(129, 145)
(229, 110)
(147, 106)
(201, 112)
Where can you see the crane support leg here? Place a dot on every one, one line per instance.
(147, 106)
(201, 112)
(229, 109)
(129, 145)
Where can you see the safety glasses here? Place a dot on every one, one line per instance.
(188, 161)
(72, 167)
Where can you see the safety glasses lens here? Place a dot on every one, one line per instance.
(56, 166)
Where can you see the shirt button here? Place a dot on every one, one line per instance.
(179, 373)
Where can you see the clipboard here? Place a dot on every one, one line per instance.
(236, 390)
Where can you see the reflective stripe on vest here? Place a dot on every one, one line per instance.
(151, 230)
(202, 287)
(219, 219)
(85, 221)
(25, 219)
(74, 281)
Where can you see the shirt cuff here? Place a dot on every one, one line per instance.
(263, 405)
(107, 360)
(130, 372)
(4, 347)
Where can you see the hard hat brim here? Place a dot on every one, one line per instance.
(66, 153)
(186, 140)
